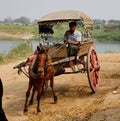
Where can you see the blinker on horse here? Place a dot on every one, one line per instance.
(42, 73)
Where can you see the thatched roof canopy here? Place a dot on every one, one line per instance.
(65, 16)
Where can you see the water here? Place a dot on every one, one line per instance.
(6, 45)
(107, 47)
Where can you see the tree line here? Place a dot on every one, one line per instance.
(25, 20)
(109, 25)
(22, 20)
(104, 30)
(107, 30)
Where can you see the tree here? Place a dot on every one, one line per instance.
(111, 27)
(99, 21)
(8, 20)
(23, 20)
(114, 21)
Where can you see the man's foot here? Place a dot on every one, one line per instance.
(72, 65)
(84, 66)
(63, 70)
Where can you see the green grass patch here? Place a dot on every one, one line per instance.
(22, 51)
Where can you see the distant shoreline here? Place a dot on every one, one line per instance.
(8, 36)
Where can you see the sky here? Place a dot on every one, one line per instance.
(35, 9)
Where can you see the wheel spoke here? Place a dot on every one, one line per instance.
(94, 77)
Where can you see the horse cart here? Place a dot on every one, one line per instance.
(86, 59)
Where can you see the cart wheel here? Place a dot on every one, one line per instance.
(93, 69)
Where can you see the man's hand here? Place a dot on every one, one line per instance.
(71, 42)
(66, 41)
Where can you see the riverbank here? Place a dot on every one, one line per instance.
(17, 31)
(21, 51)
(101, 47)
(10, 36)
(75, 101)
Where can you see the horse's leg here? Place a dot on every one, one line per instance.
(33, 92)
(45, 86)
(40, 87)
(52, 86)
(27, 95)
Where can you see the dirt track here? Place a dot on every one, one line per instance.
(75, 101)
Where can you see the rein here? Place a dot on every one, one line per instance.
(55, 51)
(25, 72)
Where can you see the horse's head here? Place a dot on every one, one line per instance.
(41, 60)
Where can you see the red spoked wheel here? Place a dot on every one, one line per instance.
(93, 68)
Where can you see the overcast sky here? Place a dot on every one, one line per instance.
(34, 9)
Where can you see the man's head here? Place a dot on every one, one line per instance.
(72, 26)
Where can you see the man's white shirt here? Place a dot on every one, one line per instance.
(76, 36)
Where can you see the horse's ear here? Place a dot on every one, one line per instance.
(38, 48)
(47, 50)
(40, 44)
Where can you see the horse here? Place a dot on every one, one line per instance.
(40, 71)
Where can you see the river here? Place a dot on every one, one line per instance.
(6, 45)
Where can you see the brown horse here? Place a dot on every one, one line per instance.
(39, 72)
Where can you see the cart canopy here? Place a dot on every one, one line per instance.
(48, 21)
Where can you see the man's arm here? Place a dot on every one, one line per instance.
(72, 42)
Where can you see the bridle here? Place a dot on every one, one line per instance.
(45, 67)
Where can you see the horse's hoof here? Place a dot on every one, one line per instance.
(31, 103)
(38, 110)
(25, 109)
(55, 99)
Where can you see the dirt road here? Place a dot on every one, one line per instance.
(75, 101)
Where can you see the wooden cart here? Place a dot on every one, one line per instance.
(86, 59)
(87, 51)
(90, 65)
